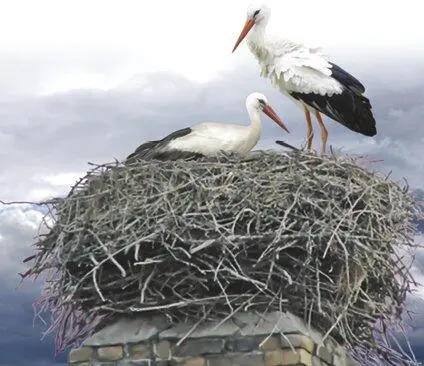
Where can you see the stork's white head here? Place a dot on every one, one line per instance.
(257, 16)
(258, 101)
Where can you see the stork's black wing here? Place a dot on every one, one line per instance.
(350, 108)
(158, 149)
(346, 79)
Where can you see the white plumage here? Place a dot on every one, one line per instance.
(308, 78)
(293, 67)
(210, 138)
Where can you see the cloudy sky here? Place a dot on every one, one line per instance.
(88, 81)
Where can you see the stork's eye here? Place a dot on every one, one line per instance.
(256, 12)
(261, 102)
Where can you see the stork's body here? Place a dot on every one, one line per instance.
(210, 138)
(305, 76)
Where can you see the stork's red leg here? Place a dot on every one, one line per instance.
(309, 129)
(324, 133)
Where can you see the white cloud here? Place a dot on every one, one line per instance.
(40, 194)
(49, 46)
(61, 179)
(45, 187)
(18, 228)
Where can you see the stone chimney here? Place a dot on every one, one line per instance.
(247, 339)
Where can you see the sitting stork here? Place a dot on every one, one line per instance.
(210, 138)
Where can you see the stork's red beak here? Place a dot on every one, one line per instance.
(271, 114)
(246, 28)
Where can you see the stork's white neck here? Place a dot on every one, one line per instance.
(255, 120)
(257, 34)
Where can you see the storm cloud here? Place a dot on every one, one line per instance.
(45, 136)
(48, 140)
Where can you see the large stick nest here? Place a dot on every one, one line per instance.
(318, 236)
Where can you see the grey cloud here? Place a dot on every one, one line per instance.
(19, 334)
(18, 227)
(419, 197)
(20, 339)
(415, 321)
(61, 132)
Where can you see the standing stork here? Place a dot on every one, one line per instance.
(210, 138)
(306, 77)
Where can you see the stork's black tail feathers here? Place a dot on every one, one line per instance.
(350, 108)
(362, 119)
(159, 150)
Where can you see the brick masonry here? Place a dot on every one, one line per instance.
(276, 339)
